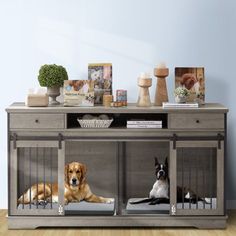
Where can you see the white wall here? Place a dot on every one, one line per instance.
(134, 35)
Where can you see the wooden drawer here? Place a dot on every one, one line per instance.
(196, 121)
(36, 121)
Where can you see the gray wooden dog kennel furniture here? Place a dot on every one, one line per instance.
(120, 164)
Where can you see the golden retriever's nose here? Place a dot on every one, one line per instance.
(74, 180)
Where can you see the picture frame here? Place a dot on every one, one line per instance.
(78, 93)
(193, 79)
(101, 75)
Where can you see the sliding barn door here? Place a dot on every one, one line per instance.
(36, 168)
(197, 177)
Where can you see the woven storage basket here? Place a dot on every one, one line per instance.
(95, 123)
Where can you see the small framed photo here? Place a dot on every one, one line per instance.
(121, 96)
(101, 75)
(78, 93)
(193, 79)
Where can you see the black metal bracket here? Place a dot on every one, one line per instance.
(175, 138)
(219, 137)
(60, 139)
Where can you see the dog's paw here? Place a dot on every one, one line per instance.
(151, 203)
(154, 203)
(34, 202)
(110, 200)
(42, 202)
(207, 200)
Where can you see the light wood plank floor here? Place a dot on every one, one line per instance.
(231, 230)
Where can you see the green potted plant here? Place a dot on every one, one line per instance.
(181, 94)
(52, 76)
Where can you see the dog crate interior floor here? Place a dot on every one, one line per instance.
(78, 208)
(145, 208)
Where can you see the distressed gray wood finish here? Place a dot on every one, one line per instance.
(173, 177)
(13, 179)
(36, 121)
(120, 162)
(220, 179)
(196, 121)
(131, 108)
(218, 182)
(16, 166)
(203, 222)
(118, 134)
(61, 176)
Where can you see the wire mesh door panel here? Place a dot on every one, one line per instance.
(198, 183)
(34, 182)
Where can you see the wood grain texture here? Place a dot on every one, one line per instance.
(230, 230)
(36, 121)
(29, 222)
(131, 108)
(161, 94)
(196, 121)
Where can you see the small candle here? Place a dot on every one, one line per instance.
(107, 99)
(145, 75)
(161, 65)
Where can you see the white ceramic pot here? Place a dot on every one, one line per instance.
(180, 99)
(53, 92)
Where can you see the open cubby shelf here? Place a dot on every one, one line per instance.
(119, 119)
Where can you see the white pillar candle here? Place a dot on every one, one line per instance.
(145, 75)
(161, 65)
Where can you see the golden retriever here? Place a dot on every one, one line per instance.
(76, 188)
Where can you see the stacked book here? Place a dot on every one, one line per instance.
(144, 124)
(179, 105)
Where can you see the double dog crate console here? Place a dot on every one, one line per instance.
(120, 164)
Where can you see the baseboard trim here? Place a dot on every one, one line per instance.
(230, 204)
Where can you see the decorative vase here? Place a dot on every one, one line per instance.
(180, 99)
(144, 82)
(161, 95)
(53, 92)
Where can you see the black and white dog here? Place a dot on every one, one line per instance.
(160, 190)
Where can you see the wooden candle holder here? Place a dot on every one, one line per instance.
(161, 89)
(107, 100)
(144, 96)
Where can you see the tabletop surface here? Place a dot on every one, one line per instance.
(131, 108)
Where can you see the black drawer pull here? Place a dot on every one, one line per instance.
(36, 121)
(198, 121)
